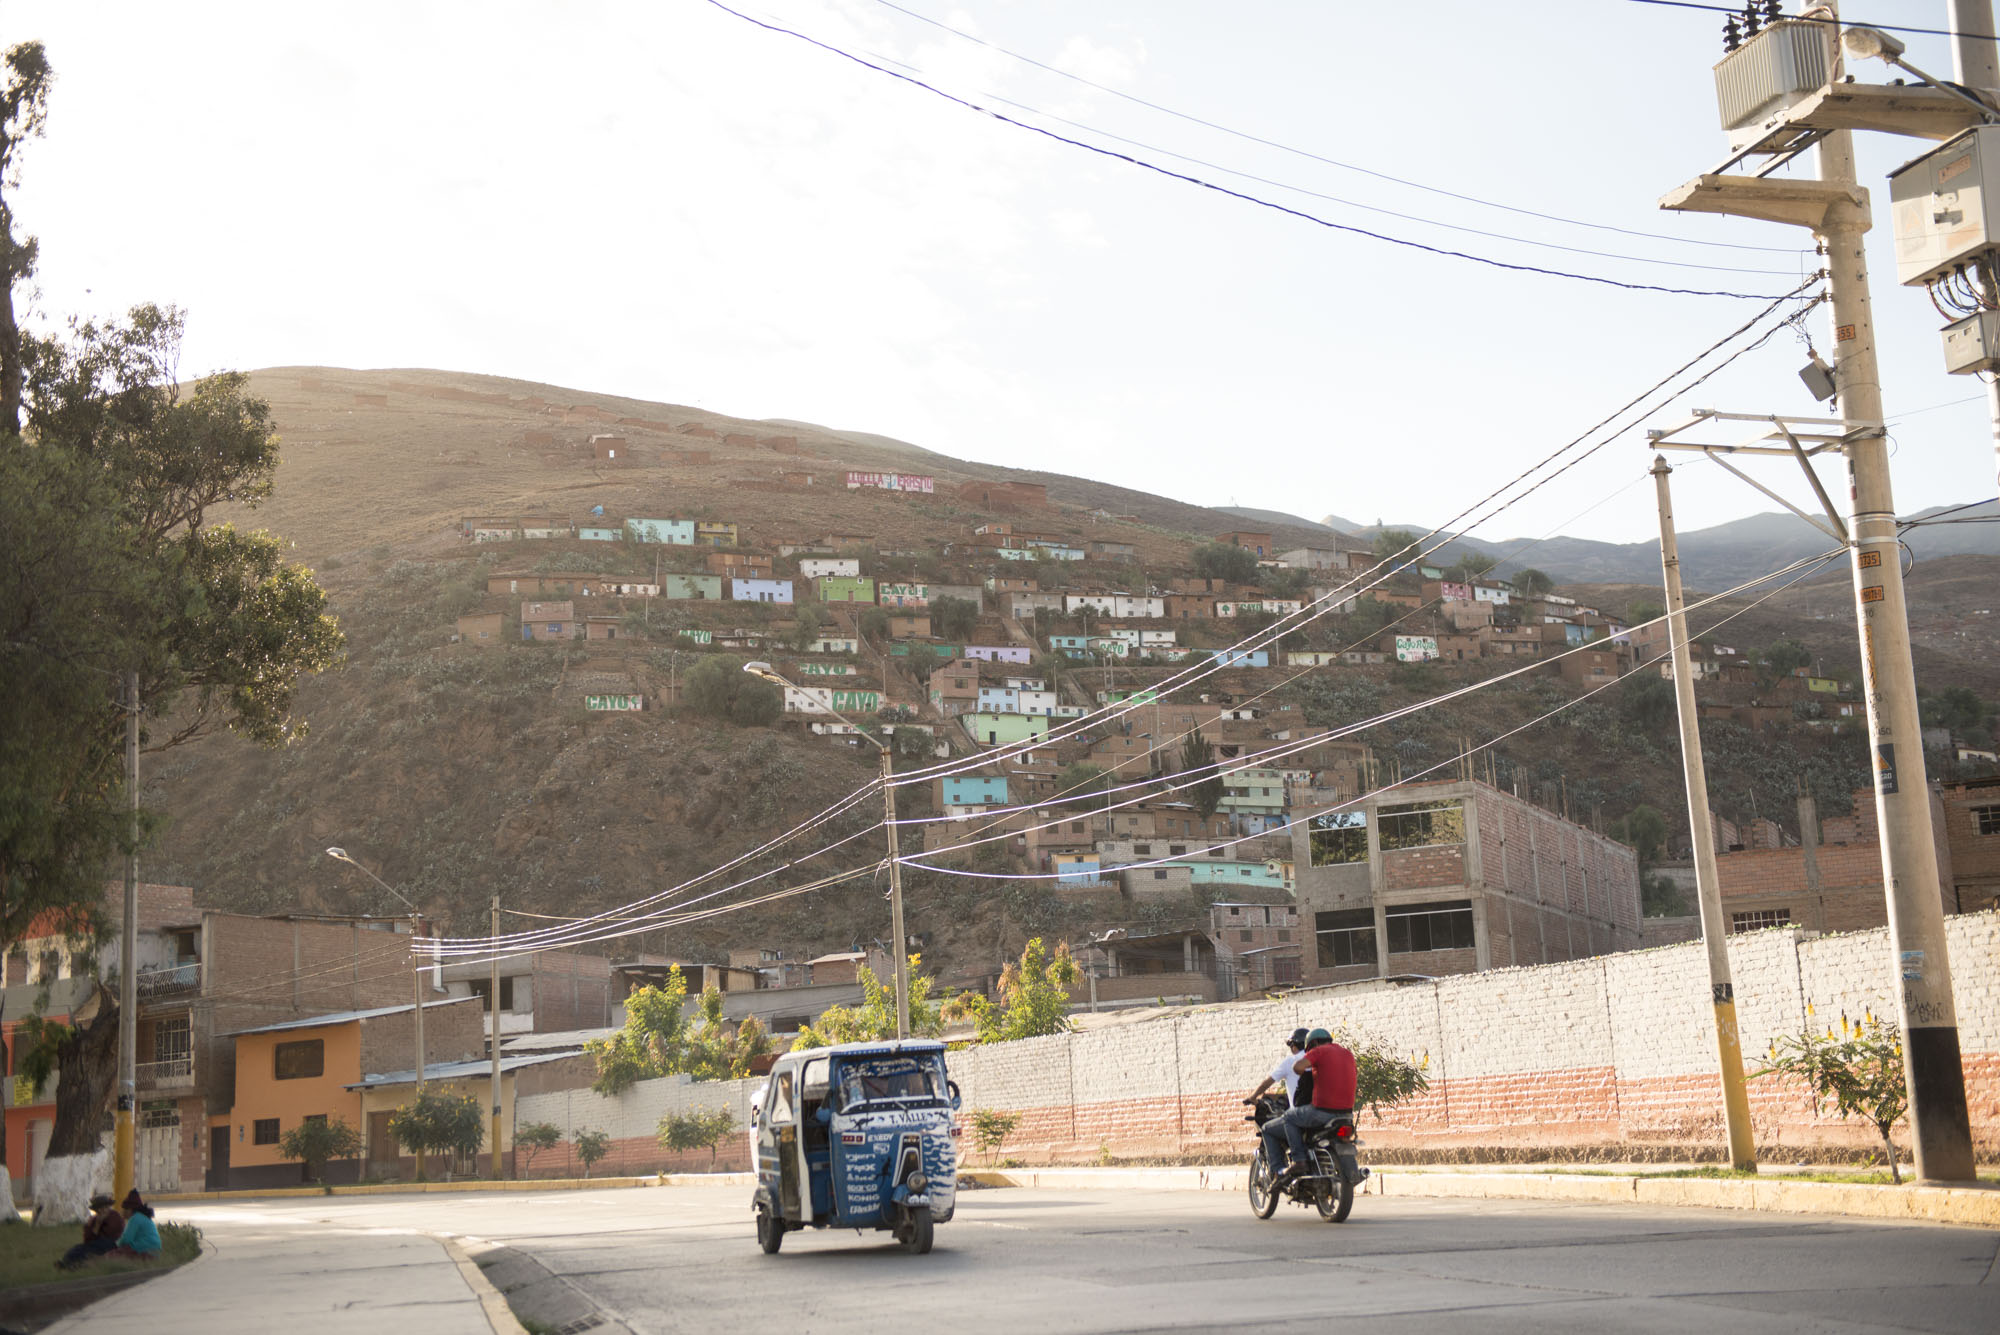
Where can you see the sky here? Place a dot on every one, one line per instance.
(657, 198)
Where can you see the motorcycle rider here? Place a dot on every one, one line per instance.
(1333, 1072)
(1283, 1073)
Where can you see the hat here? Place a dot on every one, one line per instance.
(1298, 1038)
(100, 1200)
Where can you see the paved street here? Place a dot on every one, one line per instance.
(685, 1259)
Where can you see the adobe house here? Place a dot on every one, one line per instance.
(481, 628)
(549, 621)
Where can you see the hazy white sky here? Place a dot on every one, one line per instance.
(655, 198)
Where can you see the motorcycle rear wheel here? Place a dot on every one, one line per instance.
(1263, 1190)
(1335, 1200)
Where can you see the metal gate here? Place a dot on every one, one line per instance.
(158, 1150)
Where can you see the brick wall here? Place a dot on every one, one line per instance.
(633, 1119)
(1613, 1050)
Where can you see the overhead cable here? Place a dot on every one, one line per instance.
(1235, 194)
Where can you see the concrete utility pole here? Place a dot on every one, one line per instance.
(494, 1041)
(124, 1174)
(898, 942)
(1836, 209)
(1714, 927)
(1975, 63)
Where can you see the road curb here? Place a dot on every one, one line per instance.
(1975, 1206)
(491, 1301)
(483, 1184)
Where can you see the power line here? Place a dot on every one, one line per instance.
(1815, 18)
(1316, 157)
(1235, 194)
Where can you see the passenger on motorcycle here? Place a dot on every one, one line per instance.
(1283, 1073)
(1333, 1072)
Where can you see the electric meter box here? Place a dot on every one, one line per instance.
(1945, 207)
(1973, 344)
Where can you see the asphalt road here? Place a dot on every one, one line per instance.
(686, 1259)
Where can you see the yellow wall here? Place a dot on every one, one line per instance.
(388, 1098)
(259, 1093)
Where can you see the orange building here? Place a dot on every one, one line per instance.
(298, 1070)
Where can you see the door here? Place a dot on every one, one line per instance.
(157, 1152)
(383, 1156)
(218, 1158)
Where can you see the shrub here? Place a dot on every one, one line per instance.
(590, 1147)
(315, 1141)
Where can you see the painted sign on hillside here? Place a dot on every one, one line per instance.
(892, 481)
(615, 703)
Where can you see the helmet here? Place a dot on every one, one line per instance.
(1317, 1037)
(1298, 1038)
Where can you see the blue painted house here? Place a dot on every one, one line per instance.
(678, 532)
(963, 794)
(761, 590)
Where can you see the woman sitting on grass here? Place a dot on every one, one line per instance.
(141, 1237)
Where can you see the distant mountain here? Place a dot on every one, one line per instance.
(1712, 557)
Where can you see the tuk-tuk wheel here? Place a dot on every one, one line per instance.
(770, 1232)
(916, 1234)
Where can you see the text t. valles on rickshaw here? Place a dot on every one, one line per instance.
(857, 1136)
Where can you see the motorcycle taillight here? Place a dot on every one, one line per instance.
(1345, 1131)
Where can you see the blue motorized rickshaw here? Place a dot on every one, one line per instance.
(857, 1136)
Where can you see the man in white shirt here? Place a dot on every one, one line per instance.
(1283, 1072)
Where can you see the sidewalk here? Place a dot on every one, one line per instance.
(1978, 1206)
(254, 1278)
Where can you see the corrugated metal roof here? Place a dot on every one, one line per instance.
(343, 1017)
(456, 1070)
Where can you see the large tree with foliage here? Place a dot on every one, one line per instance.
(719, 686)
(660, 1038)
(1034, 997)
(875, 1018)
(109, 565)
(955, 618)
(1222, 560)
(1198, 757)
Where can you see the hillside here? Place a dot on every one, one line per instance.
(458, 772)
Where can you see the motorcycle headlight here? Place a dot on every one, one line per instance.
(918, 1182)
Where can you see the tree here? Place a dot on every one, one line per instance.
(659, 1040)
(1641, 612)
(1472, 564)
(1082, 785)
(82, 1056)
(1531, 581)
(439, 1122)
(1396, 544)
(1285, 581)
(1034, 997)
(317, 1140)
(807, 619)
(1222, 560)
(874, 624)
(700, 1130)
(955, 618)
(1645, 829)
(1786, 657)
(875, 1018)
(1197, 755)
(590, 1146)
(1861, 1073)
(1957, 708)
(1382, 1079)
(534, 1138)
(108, 566)
(990, 1129)
(1370, 615)
(719, 687)
(1650, 701)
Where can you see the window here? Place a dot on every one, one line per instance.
(316, 1117)
(1284, 934)
(172, 1041)
(1143, 850)
(1421, 825)
(1757, 918)
(301, 1060)
(483, 989)
(264, 1131)
(1444, 925)
(1346, 936)
(1175, 850)
(1245, 936)
(1338, 837)
(1987, 819)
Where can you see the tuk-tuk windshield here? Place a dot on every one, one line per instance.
(896, 1080)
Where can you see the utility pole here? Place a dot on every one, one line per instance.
(1836, 209)
(898, 942)
(1975, 64)
(417, 976)
(1708, 887)
(494, 1042)
(123, 1172)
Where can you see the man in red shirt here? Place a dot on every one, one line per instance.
(1334, 1075)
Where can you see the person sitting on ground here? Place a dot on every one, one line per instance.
(1283, 1073)
(100, 1233)
(141, 1237)
(1334, 1078)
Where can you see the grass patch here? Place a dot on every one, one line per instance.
(28, 1255)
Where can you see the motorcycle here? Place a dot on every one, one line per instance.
(1335, 1170)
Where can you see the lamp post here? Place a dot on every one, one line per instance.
(899, 943)
(416, 965)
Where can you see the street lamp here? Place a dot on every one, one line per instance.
(1874, 44)
(417, 964)
(900, 943)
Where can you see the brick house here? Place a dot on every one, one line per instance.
(481, 628)
(750, 565)
(1971, 819)
(1453, 877)
(550, 621)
